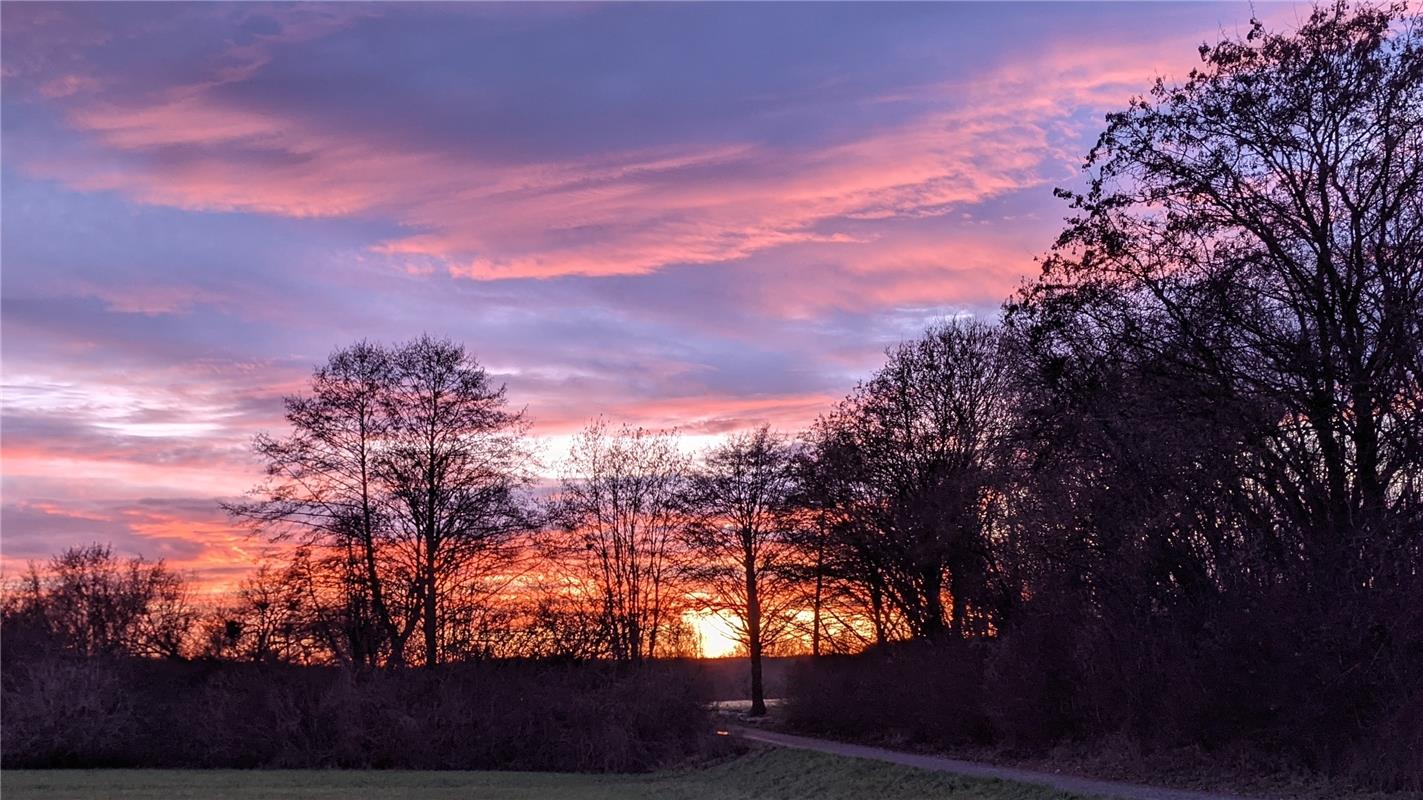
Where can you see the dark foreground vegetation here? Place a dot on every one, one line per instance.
(589, 717)
(1175, 497)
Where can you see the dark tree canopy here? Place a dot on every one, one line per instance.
(88, 602)
(1224, 415)
(911, 458)
(1258, 232)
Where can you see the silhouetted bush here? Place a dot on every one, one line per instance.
(916, 692)
(1233, 683)
(585, 717)
(66, 712)
(1032, 679)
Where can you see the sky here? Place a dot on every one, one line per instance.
(698, 216)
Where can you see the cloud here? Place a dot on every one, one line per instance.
(479, 214)
(188, 534)
(699, 216)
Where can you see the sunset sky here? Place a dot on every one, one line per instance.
(703, 216)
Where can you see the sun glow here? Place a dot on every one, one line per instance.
(714, 635)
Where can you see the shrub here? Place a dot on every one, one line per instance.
(584, 717)
(913, 692)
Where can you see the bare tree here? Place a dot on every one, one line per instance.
(89, 602)
(843, 553)
(1259, 230)
(455, 463)
(404, 469)
(623, 507)
(739, 549)
(838, 565)
(323, 490)
(274, 617)
(1229, 354)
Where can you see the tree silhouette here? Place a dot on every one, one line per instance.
(739, 546)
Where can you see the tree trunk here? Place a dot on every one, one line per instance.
(933, 621)
(877, 610)
(819, 591)
(753, 635)
(432, 640)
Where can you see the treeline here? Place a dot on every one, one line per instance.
(1178, 496)
(1175, 494)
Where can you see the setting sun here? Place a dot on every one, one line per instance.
(714, 635)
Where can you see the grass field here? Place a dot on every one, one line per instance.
(770, 773)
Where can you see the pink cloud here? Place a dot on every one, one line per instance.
(149, 300)
(619, 213)
(701, 413)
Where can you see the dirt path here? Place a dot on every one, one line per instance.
(1065, 783)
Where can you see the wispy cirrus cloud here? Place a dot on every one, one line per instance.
(206, 145)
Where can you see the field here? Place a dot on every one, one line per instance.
(762, 773)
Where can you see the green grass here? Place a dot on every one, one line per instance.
(770, 774)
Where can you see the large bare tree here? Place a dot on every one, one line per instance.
(455, 462)
(405, 469)
(323, 490)
(740, 552)
(1229, 338)
(623, 506)
(1258, 229)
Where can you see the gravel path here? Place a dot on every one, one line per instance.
(1066, 783)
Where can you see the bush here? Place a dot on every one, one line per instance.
(930, 694)
(1032, 678)
(583, 717)
(1270, 683)
(66, 713)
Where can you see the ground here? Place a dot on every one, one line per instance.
(769, 774)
